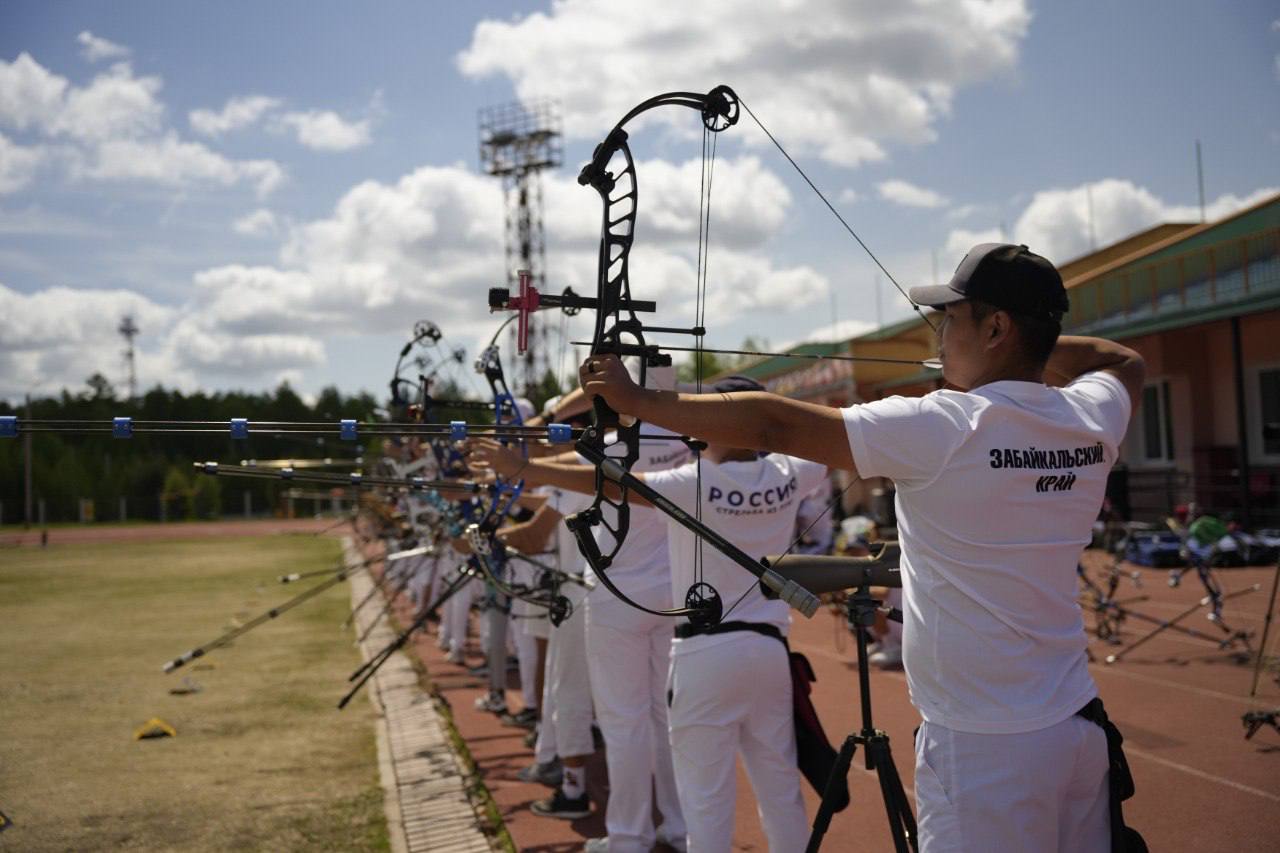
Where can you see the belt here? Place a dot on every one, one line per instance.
(685, 630)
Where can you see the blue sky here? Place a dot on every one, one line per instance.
(279, 190)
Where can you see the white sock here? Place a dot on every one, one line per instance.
(575, 782)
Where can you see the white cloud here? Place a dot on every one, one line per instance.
(910, 195)
(1056, 222)
(197, 347)
(115, 104)
(848, 196)
(30, 95)
(259, 223)
(961, 240)
(60, 336)
(749, 204)
(113, 129)
(325, 130)
(841, 330)
(848, 67)
(93, 48)
(170, 161)
(237, 113)
(17, 165)
(430, 244)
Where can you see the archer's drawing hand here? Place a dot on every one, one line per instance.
(487, 454)
(604, 376)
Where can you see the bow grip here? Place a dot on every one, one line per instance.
(605, 416)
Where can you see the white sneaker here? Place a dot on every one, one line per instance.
(550, 774)
(889, 657)
(596, 845)
(494, 702)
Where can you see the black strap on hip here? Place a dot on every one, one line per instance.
(685, 630)
(1124, 839)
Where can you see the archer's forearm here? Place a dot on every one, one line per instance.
(753, 421)
(574, 478)
(1074, 356)
(570, 477)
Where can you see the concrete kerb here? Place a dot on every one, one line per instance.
(427, 785)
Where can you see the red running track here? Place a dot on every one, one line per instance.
(1178, 700)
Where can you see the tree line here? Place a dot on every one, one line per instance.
(154, 473)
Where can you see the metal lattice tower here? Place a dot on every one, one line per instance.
(517, 142)
(129, 330)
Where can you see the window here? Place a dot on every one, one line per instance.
(1157, 424)
(1269, 410)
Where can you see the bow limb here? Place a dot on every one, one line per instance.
(619, 331)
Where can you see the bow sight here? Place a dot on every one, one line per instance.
(530, 301)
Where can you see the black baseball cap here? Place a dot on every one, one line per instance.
(1006, 276)
(735, 384)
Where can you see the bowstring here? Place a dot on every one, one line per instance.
(699, 288)
(840, 495)
(837, 215)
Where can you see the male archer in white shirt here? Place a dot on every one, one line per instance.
(998, 484)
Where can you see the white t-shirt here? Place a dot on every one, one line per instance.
(753, 504)
(998, 489)
(815, 524)
(567, 556)
(641, 563)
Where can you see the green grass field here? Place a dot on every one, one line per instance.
(261, 761)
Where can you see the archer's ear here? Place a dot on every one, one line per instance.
(998, 328)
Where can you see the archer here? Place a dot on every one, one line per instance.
(1009, 756)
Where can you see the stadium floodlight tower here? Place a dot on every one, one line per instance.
(517, 142)
(129, 330)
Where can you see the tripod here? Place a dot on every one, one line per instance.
(902, 823)
(1213, 600)
(1108, 611)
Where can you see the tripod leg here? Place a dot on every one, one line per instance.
(1162, 626)
(822, 820)
(902, 821)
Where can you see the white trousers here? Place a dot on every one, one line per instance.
(457, 612)
(1044, 790)
(733, 698)
(423, 573)
(521, 574)
(629, 652)
(566, 695)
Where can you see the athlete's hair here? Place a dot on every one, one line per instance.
(1037, 335)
